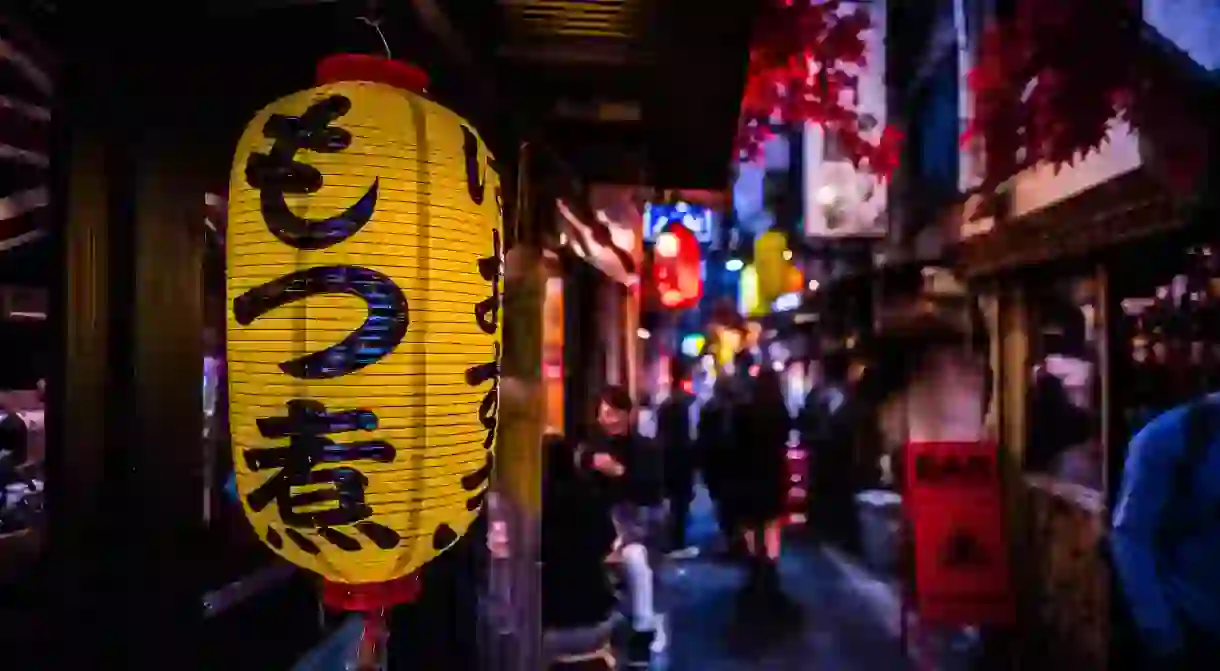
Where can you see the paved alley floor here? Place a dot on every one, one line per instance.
(837, 618)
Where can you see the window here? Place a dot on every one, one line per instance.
(1064, 427)
(1170, 334)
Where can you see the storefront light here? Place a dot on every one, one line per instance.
(643, 334)
(786, 302)
(693, 344)
(814, 284)
(734, 265)
(787, 254)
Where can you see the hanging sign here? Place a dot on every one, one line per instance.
(955, 503)
(698, 220)
(364, 269)
(676, 267)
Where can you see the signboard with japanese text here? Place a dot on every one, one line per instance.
(365, 259)
(955, 504)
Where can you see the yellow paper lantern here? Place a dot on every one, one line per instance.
(364, 269)
(770, 264)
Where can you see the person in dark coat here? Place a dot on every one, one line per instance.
(1056, 424)
(814, 419)
(674, 436)
(714, 442)
(627, 468)
(832, 450)
(760, 464)
(578, 602)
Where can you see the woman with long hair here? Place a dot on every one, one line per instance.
(760, 466)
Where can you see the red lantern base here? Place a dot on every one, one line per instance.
(366, 68)
(369, 597)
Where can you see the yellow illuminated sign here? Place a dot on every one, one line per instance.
(749, 302)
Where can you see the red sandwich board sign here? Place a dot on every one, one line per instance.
(955, 504)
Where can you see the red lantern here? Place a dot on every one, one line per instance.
(675, 267)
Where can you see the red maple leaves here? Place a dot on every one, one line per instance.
(1052, 80)
(802, 66)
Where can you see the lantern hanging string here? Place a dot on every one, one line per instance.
(372, 20)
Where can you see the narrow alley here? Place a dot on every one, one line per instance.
(839, 616)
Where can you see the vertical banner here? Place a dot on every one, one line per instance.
(955, 504)
(841, 200)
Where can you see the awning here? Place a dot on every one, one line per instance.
(589, 242)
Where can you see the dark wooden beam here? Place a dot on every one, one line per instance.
(126, 414)
(568, 53)
(1128, 208)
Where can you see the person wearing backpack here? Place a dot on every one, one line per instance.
(1165, 540)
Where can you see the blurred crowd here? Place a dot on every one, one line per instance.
(618, 504)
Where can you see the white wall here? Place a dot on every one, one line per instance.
(748, 198)
(748, 185)
(1040, 186)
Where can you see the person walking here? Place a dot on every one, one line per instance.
(715, 437)
(761, 466)
(833, 453)
(677, 446)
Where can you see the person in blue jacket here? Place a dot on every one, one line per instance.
(1166, 536)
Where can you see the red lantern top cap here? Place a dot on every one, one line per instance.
(367, 68)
